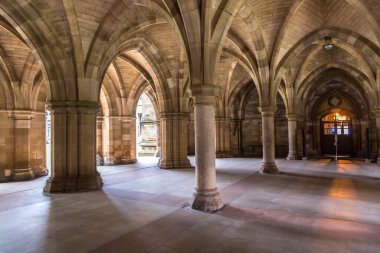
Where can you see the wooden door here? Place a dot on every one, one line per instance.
(336, 130)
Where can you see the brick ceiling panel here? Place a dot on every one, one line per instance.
(16, 52)
(128, 72)
(337, 55)
(307, 18)
(339, 13)
(168, 44)
(89, 14)
(54, 14)
(271, 15)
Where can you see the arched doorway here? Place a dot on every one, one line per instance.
(146, 130)
(336, 134)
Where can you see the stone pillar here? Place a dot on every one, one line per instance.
(38, 144)
(158, 147)
(111, 142)
(191, 136)
(119, 140)
(300, 131)
(236, 137)
(373, 132)
(128, 140)
(73, 148)
(378, 135)
(223, 144)
(292, 136)
(206, 196)
(7, 147)
(174, 138)
(269, 164)
(22, 169)
(99, 141)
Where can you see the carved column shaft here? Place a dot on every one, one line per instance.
(292, 136)
(378, 135)
(99, 141)
(119, 140)
(158, 147)
(73, 148)
(22, 168)
(223, 144)
(269, 163)
(206, 195)
(174, 138)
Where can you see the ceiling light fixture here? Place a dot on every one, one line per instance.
(328, 45)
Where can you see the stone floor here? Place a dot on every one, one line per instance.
(312, 206)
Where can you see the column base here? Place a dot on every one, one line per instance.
(207, 200)
(40, 171)
(174, 164)
(128, 161)
(99, 160)
(5, 176)
(81, 184)
(23, 174)
(291, 156)
(223, 155)
(269, 168)
(109, 161)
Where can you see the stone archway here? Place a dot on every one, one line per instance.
(336, 134)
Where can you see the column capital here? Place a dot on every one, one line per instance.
(72, 107)
(122, 119)
(222, 119)
(376, 112)
(175, 115)
(292, 117)
(206, 90)
(267, 110)
(22, 115)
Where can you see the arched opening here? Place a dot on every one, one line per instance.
(336, 134)
(24, 120)
(337, 113)
(146, 130)
(128, 119)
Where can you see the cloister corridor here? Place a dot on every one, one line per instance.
(311, 206)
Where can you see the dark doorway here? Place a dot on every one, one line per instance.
(336, 129)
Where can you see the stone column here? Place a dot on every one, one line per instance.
(206, 196)
(191, 136)
(373, 136)
(22, 168)
(38, 144)
(223, 144)
(300, 149)
(378, 135)
(269, 164)
(292, 136)
(119, 140)
(174, 138)
(128, 139)
(158, 146)
(73, 148)
(99, 141)
(236, 137)
(107, 140)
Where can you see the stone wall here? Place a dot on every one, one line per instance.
(38, 144)
(25, 150)
(6, 147)
(118, 140)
